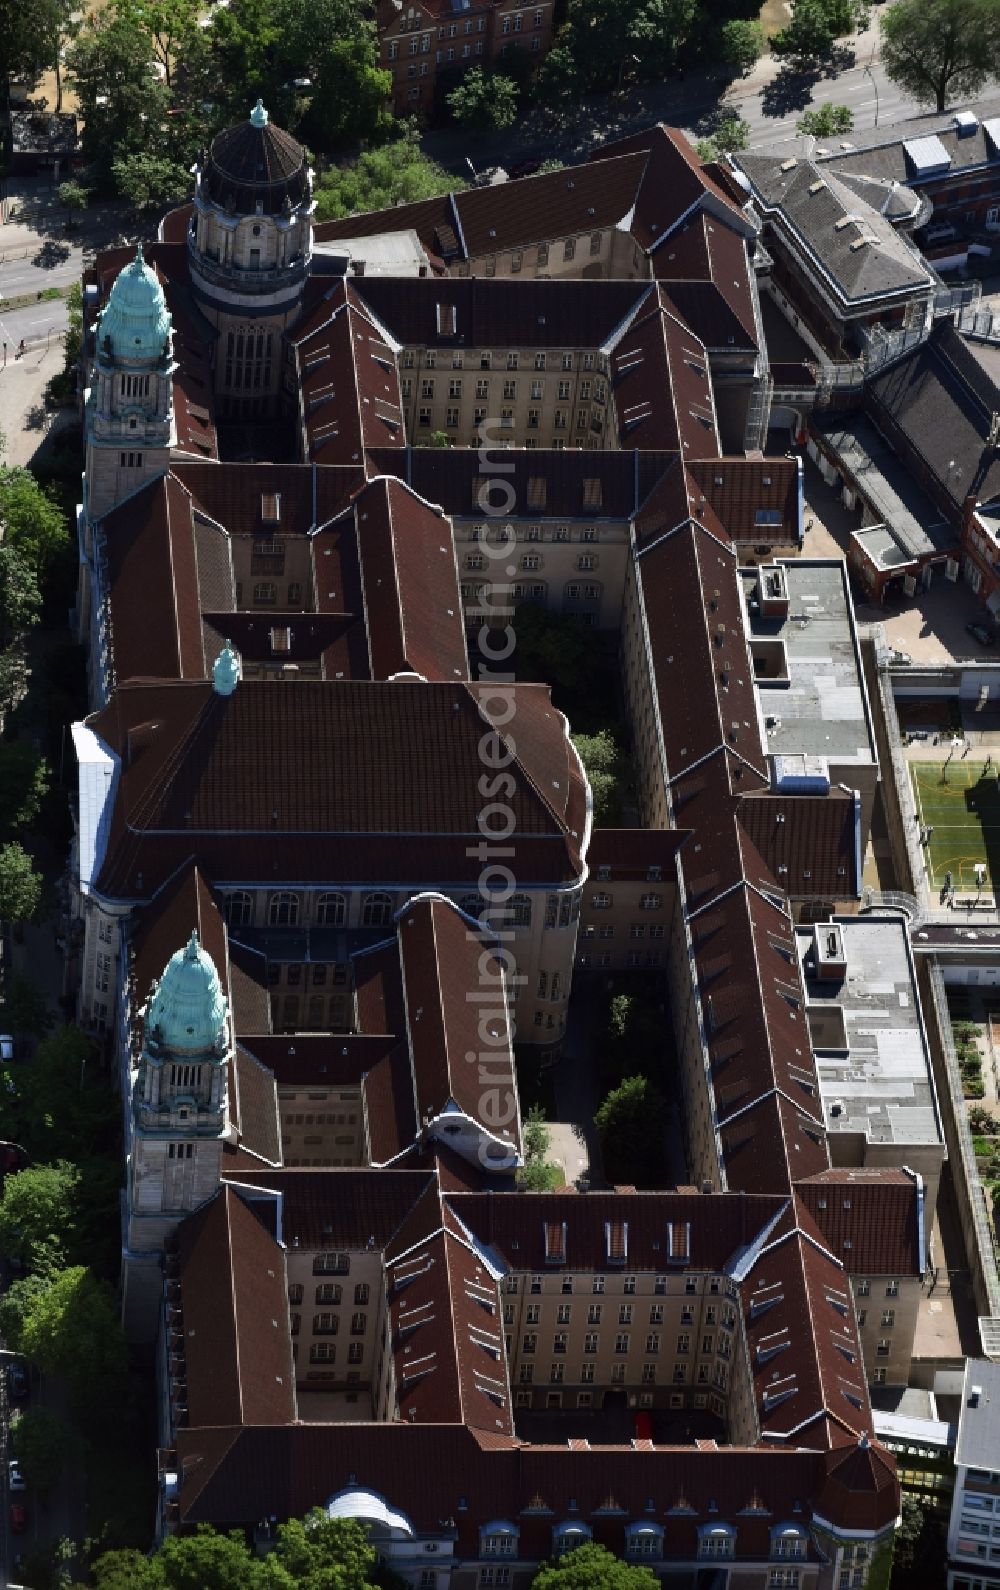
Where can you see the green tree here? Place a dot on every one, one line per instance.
(320, 1552)
(602, 42)
(24, 783)
(38, 1207)
(742, 43)
(558, 650)
(150, 181)
(814, 27)
(25, 1007)
(43, 1444)
(126, 1570)
(538, 1175)
(208, 1560)
(17, 1303)
(123, 104)
(399, 173)
(13, 678)
(590, 1567)
(599, 755)
(32, 520)
(919, 1556)
(72, 1329)
(631, 1123)
(29, 39)
(731, 133)
(485, 101)
(20, 884)
(20, 598)
(72, 196)
(350, 93)
(825, 121)
(171, 27)
(938, 50)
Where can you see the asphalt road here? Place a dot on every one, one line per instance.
(43, 267)
(35, 323)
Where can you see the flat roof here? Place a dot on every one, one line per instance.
(889, 487)
(978, 1444)
(820, 708)
(883, 547)
(881, 1083)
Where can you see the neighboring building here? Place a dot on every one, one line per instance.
(841, 264)
(42, 140)
(950, 162)
(974, 1530)
(875, 1073)
(809, 684)
(428, 45)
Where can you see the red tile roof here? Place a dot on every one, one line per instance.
(233, 1353)
(258, 762)
(869, 1218)
(808, 843)
(460, 1048)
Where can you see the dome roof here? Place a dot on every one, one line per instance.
(135, 318)
(187, 1012)
(255, 163)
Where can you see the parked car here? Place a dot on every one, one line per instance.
(15, 1479)
(979, 632)
(18, 1518)
(6, 1048)
(17, 1383)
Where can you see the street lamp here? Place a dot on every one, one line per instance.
(867, 72)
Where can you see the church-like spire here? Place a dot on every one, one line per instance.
(259, 116)
(187, 1012)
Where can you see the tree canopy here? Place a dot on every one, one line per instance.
(20, 597)
(814, 27)
(600, 757)
(398, 173)
(485, 101)
(825, 121)
(24, 782)
(20, 884)
(37, 1210)
(42, 1444)
(603, 43)
(742, 43)
(33, 521)
(591, 1567)
(938, 50)
(315, 1553)
(729, 134)
(71, 1328)
(630, 1123)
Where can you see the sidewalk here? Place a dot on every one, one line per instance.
(24, 419)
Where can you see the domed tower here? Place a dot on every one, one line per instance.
(179, 1120)
(128, 412)
(249, 245)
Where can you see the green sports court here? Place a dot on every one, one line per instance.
(961, 803)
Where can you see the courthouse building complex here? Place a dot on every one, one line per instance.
(332, 866)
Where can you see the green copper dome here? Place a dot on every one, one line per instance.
(187, 1011)
(136, 320)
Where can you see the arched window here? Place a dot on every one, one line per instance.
(788, 1542)
(716, 1540)
(283, 909)
(331, 910)
(498, 1539)
(377, 910)
(239, 909)
(518, 911)
(566, 1536)
(644, 1540)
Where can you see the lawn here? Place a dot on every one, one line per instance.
(962, 805)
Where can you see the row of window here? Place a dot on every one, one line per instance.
(330, 910)
(595, 1314)
(330, 1292)
(585, 419)
(326, 1353)
(531, 562)
(592, 1343)
(636, 930)
(587, 1376)
(532, 593)
(628, 1286)
(588, 387)
(504, 535)
(329, 1324)
(588, 361)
